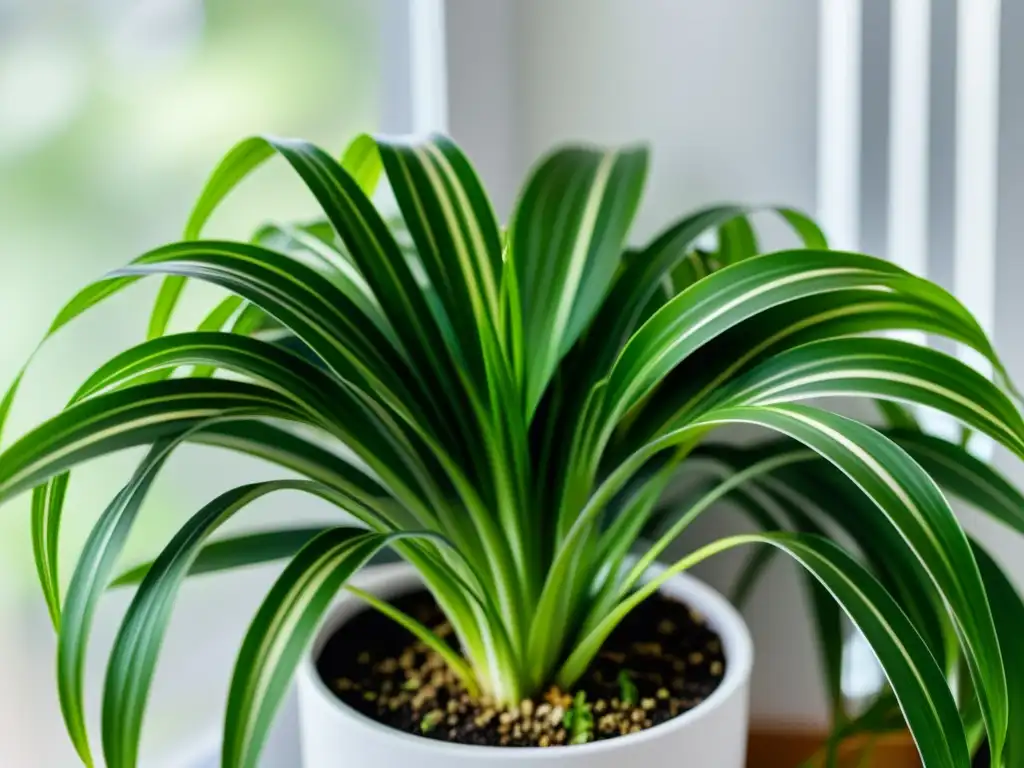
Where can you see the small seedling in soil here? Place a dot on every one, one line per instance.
(627, 689)
(579, 721)
(431, 720)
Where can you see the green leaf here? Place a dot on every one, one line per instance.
(736, 241)
(360, 159)
(281, 631)
(567, 236)
(133, 659)
(744, 290)
(897, 416)
(47, 503)
(306, 386)
(834, 315)
(805, 227)
(381, 262)
(95, 566)
(456, 235)
(753, 498)
(112, 421)
(215, 321)
(82, 301)
(916, 507)
(425, 635)
(750, 576)
(8, 400)
(900, 489)
(965, 475)
(1008, 610)
(627, 689)
(333, 265)
(307, 304)
(303, 300)
(642, 274)
(166, 300)
(917, 681)
(235, 552)
(646, 270)
(819, 489)
(884, 369)
(741, 484)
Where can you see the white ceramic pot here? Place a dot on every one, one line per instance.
(712, 735)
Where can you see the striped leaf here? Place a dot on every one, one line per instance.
(135, 425)
(289, 376)
(234, 552)
(307, 303)
(383, 265)
(916, 679)
(126, 418)
(307, 387)
(916, 507)
(360, 160)
(834, 315)
(530, 396)
(332, 264)
(964, 475)
(455, 231)
(642, 274)
(1008, 610)
(744, 290)
(267, 546)
(316, 399)
(47, 505)
(836, 500)
(457, 239)
(133, 658)
(886, 369)
(92, 573)
(901, 490)
(566, 240)
(813, 491)
(282, 630)
(81, 302)
(736, 241)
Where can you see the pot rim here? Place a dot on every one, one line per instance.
(399, 577)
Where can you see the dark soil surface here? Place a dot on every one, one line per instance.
(661, 661)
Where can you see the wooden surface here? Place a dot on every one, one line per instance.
(785, 748)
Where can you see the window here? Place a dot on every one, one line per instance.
(112, 113)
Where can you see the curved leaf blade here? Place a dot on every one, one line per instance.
(740, 292)
(92, 572)
(1008, 610)
(965, 476)
(884, 369)
(281, 631)
(244, 158)
(125, 418)
(567, 235)
(455, 231)
(132, 662)
(915, 506)
(899, 488)
(234, 552)
(917, 681)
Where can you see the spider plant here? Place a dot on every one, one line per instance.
(506, 408)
